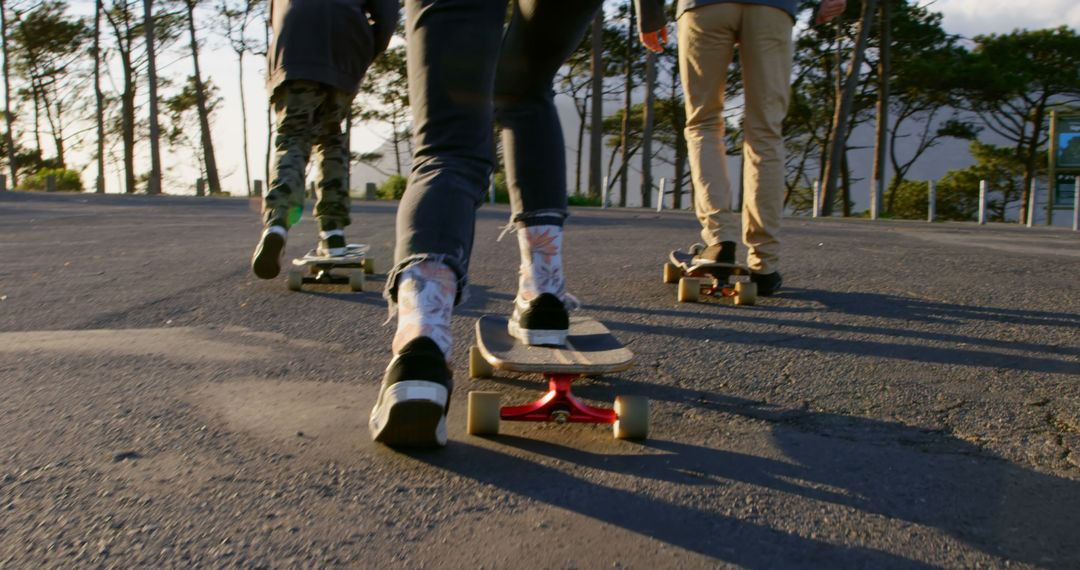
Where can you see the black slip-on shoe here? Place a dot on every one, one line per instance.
(541, 321)
(266, 263)
(414, 398)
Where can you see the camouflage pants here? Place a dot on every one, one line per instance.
(309, 117)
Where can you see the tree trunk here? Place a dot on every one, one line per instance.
(127, 120)
(843, 110)
(882, 126)
(647, 132)
(9, 138)
(99, 184)
(580, 141)
(244, 121)
(212, 180)
(397, 142)
(678, 115)
(269, 108)
(1030, 166)
(54, 126)
(845, 180)
(154, 184)
(628, 101)
(596, 136)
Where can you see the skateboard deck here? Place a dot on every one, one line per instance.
(685, 260)
(590, 349)
(348, 268)
(720, 280)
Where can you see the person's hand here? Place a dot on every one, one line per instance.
(830, 9)
(655, 41)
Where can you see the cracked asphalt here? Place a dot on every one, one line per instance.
(910, 400)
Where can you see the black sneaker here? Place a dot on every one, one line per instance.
(542, 321)
(331, 243)
(767, 283)
(266, 263)
(414, 398)
(723, 252)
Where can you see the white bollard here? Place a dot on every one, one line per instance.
(660, 196)
(1076, 204)
(491, 190)
(1031, 205)
(603, 194)
(982, 202)
(931, 205)
(873, 200)
(817, 198)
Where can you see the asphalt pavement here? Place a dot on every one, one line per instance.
(909, 400)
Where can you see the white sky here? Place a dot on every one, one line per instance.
(965, 17)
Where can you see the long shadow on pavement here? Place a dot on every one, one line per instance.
(878, 468)
(708, 533)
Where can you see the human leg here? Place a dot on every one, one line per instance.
(766, 57)
(541, 35)
(332, 176)
(707, 37)
(452, 49)
(294, 105)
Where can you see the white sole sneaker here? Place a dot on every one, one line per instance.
(411, 413)
(537, 337)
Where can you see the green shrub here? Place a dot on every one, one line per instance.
(502, 190)
(957, 197)
(392, 188)
(66, 180)
(582, 200)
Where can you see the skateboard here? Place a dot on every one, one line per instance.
(590, 350)
(725, 281)
(349, 268)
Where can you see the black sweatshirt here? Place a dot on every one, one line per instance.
(329, 41)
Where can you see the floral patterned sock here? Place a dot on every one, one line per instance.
(541, 262)
(425, 299)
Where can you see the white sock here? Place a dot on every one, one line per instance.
(425, 299)
(541, 262)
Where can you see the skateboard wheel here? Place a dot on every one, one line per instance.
(671, 273)
(295, 279)
(356, 280)
(369, 265)
(633, 417)
(745, 293)
(484, 411)
(689, 290)
(478, 367)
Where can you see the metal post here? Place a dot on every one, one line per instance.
(931, 202)
(369, 191)
(200, 187)
(982, 202)
(1031, 204)
(256, 188)
(1076, 204)
(491, 189)
(603, 194)
(817, 198)
(660, 195)
(50, 183)
(3, 183)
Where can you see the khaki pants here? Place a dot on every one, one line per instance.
(707, 39)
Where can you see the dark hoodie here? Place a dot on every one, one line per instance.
(329, 41)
